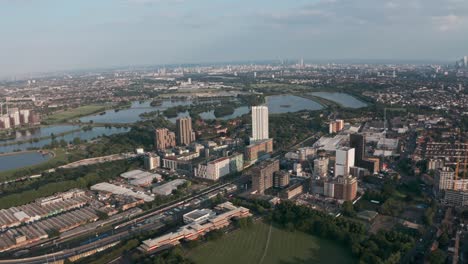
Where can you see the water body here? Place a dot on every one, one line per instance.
(132, 114)
(277, 104)
(40, 132)
(239, 111)
(15, 161)
(343, 99)
(83, 135)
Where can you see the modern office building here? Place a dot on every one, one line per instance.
(259, 123)
(262, 175)
(344, 161)
(184, 132)
(163, 139)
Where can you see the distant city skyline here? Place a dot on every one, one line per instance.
(51, 35)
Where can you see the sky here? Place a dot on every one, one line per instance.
(55, 35)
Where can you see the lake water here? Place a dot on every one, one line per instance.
(16, 161)
(132, 114)
(343, 99)
(84, 135)
(40, 132)
(277, 104)
(240, 111)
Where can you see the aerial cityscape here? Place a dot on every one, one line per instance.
(274, 156)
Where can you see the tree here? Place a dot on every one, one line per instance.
(245, 222)
(76, 141)
(63, 143)
(348, 209)
(444, 240)
(437, 257)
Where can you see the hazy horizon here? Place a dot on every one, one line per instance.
(52, 35)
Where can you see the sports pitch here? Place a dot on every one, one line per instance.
(259, 245)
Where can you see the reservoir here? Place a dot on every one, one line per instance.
(15, 161)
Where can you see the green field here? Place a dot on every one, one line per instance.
(248, 246)
(65, 116)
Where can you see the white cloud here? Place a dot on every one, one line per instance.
(449, 22)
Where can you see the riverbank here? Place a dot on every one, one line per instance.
(17, 153)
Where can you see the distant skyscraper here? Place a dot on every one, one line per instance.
(465, 61)
(163, 139)
(259, 123)
(184, 132)
(302, 63)
(344, 161)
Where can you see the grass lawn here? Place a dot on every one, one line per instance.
(65, 116)
(60, 158)
(248, 246)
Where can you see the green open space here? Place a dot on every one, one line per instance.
(248, 245)
(67, 115)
